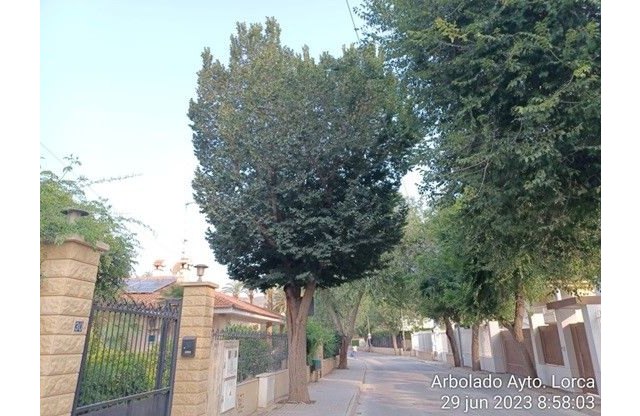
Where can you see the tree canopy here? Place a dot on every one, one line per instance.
(300, 162)
(510, 93)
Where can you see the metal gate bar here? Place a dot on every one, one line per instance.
(128, 364)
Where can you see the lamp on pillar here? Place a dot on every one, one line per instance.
(200, 268)
(74, 213)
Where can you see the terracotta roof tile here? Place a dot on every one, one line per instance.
(225, 301)
(146, 298)
(151, 290)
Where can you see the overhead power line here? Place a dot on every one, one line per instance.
(355, 29)
(52, 154)
(63, 164)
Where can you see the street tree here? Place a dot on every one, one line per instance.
(300, 162)
(342, 304)
(395, 285)
(454, 286)
(442, 286)
(386, 319)
(510, 94)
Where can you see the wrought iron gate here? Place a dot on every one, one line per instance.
(128, 364)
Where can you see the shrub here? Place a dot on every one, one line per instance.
(319, 334)
(110, 374)
(254, 357)
(257, 351)
(331, 346)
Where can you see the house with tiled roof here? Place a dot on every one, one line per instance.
(228, 310)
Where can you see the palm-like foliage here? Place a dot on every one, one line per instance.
(235, 289)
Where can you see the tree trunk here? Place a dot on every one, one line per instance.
(452, 342)
(475, 347)
(270, 299)
(345, 329)
(395, 344)
(518, 333)
(344, 350)
(297, 313)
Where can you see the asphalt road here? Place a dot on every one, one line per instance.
(405, 386)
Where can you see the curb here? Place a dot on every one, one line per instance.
(353, 403)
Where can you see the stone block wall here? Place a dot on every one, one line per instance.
(246, 398)
(328, 364)
(68, 276)
(192, 379)
(282, 385)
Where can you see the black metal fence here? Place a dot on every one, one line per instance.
(385, 341)
(258, 352)
(128, 364)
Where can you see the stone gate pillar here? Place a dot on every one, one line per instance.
(68, 277)
(192, 381)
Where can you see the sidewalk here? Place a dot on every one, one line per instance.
(334, 395)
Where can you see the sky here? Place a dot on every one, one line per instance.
(115, 82)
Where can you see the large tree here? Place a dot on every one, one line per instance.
(434, 271)
(299, 167)
(510, 91)
(395, 286)
(341, 305)
(444, 274)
